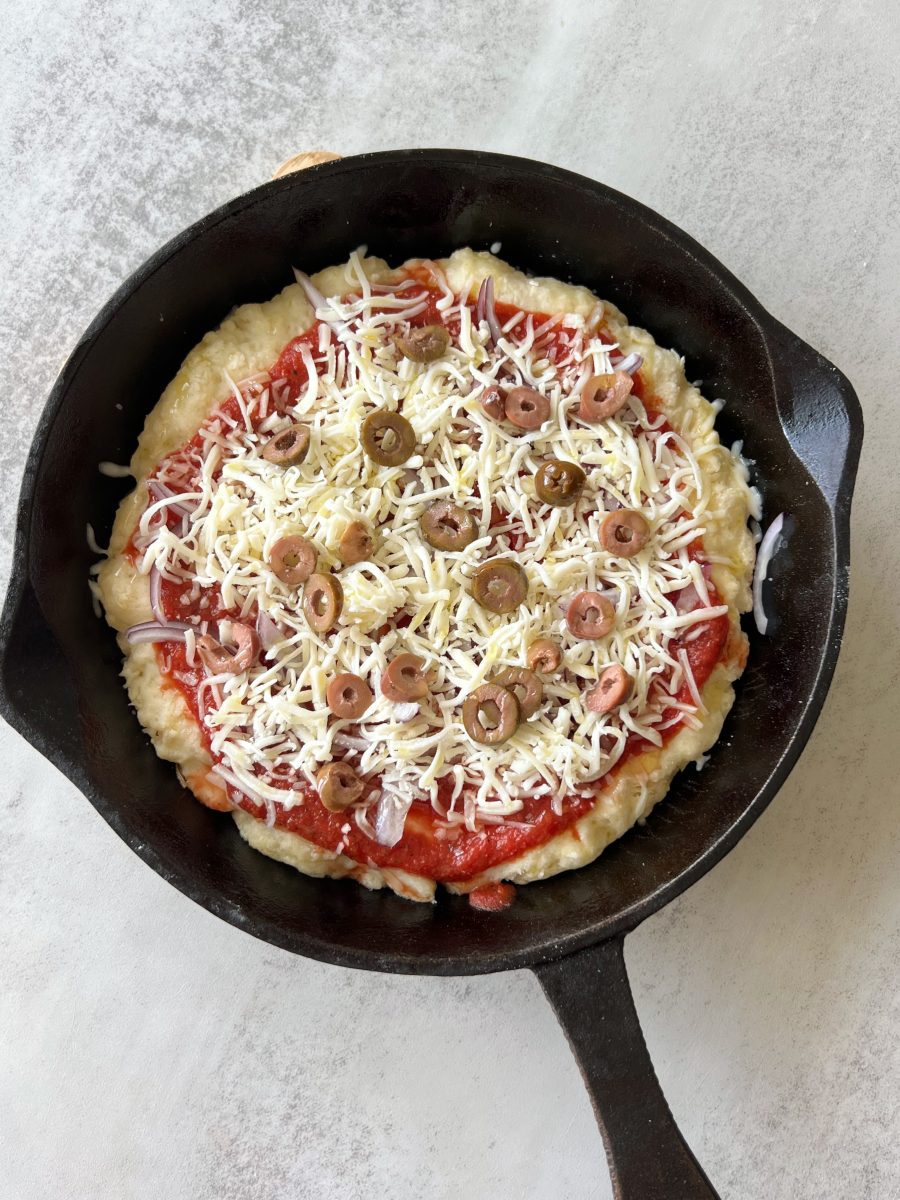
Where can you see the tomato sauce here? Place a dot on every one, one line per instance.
(428, 847)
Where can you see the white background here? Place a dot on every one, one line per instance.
(146, 1049)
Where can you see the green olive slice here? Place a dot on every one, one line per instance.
(448, 526)
(500, 585)
(387, 438)
(426, 344)
(490, 714)
(544, 656)
(289, 447)
(323, 600)
(338, 786)
(405, 679)
(558, 482)
(524, 685)
(348, 696)
(357, 544)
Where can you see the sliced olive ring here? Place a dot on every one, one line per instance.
(405, 679)
(590, 615)
(338, 786)
(348, 696)
(288, 448)
(624, 532)
(524, 685)
(544, 656)
(613, 688)
(426, 344)
(526, 408)
(323, 600)
(220, 660)
(604, 395)
(387, 438)
(494, 403)
(500, 585)
(293, 559)
(490, 714)
(558, 482)
(448, 526)
(357, 544)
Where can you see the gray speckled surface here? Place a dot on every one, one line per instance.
(148, 1049)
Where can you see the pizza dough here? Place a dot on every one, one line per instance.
(245, 346)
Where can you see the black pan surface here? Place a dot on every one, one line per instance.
(798, 417)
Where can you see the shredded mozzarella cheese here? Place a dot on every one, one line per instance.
(270, 726)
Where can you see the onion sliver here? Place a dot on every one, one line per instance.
(763, 558)
(405, 713)
(629, 364)
(390, 817)
(491, 313)
(269, 631)
(156, 631)
(312, 293)
(485, 310)
(479, 304)
(161, 491)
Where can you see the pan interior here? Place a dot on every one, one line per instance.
(401, 204)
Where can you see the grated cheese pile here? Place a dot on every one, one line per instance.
(271, 726)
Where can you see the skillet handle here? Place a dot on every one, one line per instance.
(648, 1158)
(821, 415)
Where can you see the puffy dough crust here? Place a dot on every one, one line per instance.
(247, 342)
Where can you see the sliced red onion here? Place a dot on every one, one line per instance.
(390, 817)
(269, 631)
(181, 626)
(161, 491)
(485, 310)
(404, 713)
(315, 297)
(627, 365)
(610, 502)
(491, 313)
(157, 631)
(361, 817)
(155, 596)
(763, 558)
(409, 477)
(688, 599)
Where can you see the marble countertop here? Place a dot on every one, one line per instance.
(147, 1049)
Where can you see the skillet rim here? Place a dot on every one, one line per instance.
(771, 332)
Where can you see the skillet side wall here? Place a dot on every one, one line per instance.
(400, 204)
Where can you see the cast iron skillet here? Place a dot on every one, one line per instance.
(801, 424)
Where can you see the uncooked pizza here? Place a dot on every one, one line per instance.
(432, 575)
